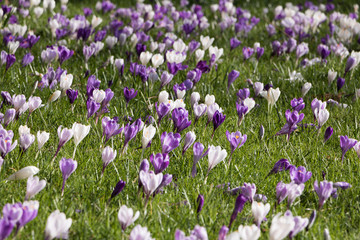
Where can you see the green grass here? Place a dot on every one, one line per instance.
(86, 193)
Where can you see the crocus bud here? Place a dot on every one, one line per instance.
(108, 155)
(165, 78)
(311, 220)
(327, 234)
(305, 89)
(80, 132)
(328, 133)
(239, 205)
(350, 64)
(148, 134)
(331, 76)
(25, 141)
(55, 96)
(233, 75)
(222, 233)
(258, 87)
(34, 103)
(24, 173)
(9, 116)
(200, 201)
(261, 132)
(195, 97)
(340, 83)
(189, 140)
(34, 186)
(118, 188)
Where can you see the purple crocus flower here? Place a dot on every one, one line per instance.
(29, 42)
(160, 162)
(27, 59)
(10, 60)
(218, 119)
(328, 133)
(87, 11)
(67, 167)
(239, 205)
(30, 211)
(167, 179)
(169, 141)
(92, 107)
(199, 153)
(247, 52)
(162, 110)
(12, 212)
(72, 95)
(241, 110)
(200, 201)
(342, 185)
(292, 119)
(281, 165)
(129, 94)
(144, 166)
(236, 140)
(110, 128)
(130, 131)
(323, 190)
(297, 104)
(346, 144)
(299, 175)
(222, 233)
(243, 94)
(350, 64)
(189, 140)
(64, 53)
(234, 43)
(259, 52)
(340, 83)
(248, 190)
(233, 75)
(117, 189)
(180, 117)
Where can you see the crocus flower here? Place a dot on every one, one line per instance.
(180, 117)
(126, 216)
(328, 133)
(34, 186)
(160, 162)
(249, 190)
(108, 155)
(299, 175)
(165, 79)
(67, 167)
(27, 59)
(110, 128)
(148, 134)
(305, 89)
(25, 141)
(222, 233)
(117, 189)
(241, 110)
(9, 116)
(292, 120)
(199, 153)
(236, 140)
(30, 211)
(169, 141)
(302, 49)
(239, 205)
(189, 140)
(293, 191)
(346, 144)
(200, 201)
(311, 220)
(80, 132)
(340, 83)
(297, 104)
(215, 156)
(259, 211)
(162, 110)
(271, 95)
(42, 138)
(300, 224)
(64, 135)
(129, 94)
(234, 43)
(247, 52)
(233, 75)
(24, 173)
(323, 190)
(218, 119)
(199, 110)
(281, 226)
(72, 95)
(150, 182)
(140, 232)
(57, 226)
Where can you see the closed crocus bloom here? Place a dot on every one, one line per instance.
(199, 233)
(66, 81)
(293, 191)
(194, 98)
(140, 232)
(249, 232)
(145, 57)
(25, 141)
(42, 138)
(258, 88)
(18, 101)
(206, 42)
(331, 76)
(199, 54)
(57, 226)
(80, 132)
(23, 129)
(215, 156)
(67, 167)
(302, 49)
(54, 96)
(24, 173)
(209, 100)
(189, 140)
(30, 211)
(272, 95)
(157, 60)
(126, 216)
(98, 95)
(324, 190)
(222, 233)
(281, 192)
(108, 155)
(34, 186)
(281, 226)
(34, 103)
(346, 144)
(357, 149)
(148, 135)
(9, 116)
(199, 110)
(150, 181)
(95, 21)
(163, 97)
(305, 89)
(259, 211)
(300, 224)
(169, 141)
(111, 41)
(165, 79)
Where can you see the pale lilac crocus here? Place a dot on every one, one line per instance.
(34, 186)
(67, 167)
(64, 135)
(159, 161)
(324, 190)
(110, 128)
(150, 182)
(346, 144)
(299, 175)
(236, 140)
(249, 190)
(189, 140)
(169, 141)
(108, 155)
(126, 216)
(199, 153)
